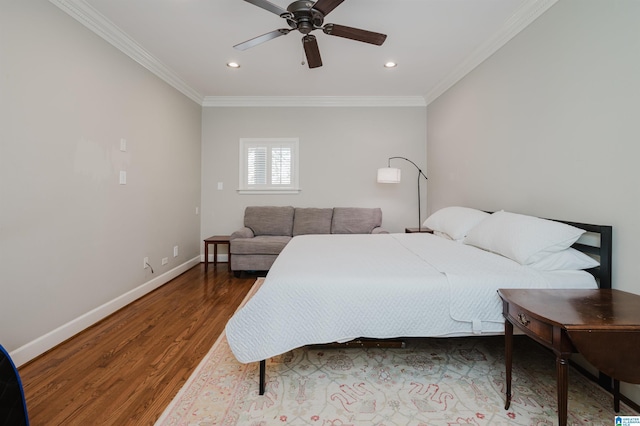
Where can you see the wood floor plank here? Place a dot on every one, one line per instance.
(126, 369)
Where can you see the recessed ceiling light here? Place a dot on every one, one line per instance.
(233, 65)
(390, 65)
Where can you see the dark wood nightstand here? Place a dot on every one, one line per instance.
(603, 325)
(215, 240)
(424, 230)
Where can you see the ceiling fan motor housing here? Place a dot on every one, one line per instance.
(305, 18)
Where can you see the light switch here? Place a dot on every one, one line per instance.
(123, 144)
(123, 177)
(219, 186)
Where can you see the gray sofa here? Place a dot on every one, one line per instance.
(268, 229)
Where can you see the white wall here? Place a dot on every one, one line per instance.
(549, 126)
(341, 149)
(72, 240)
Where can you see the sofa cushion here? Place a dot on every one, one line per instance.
(312, 221)
(262, 244)
(269, 220)
(355, 220)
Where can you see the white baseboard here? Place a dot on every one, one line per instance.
(53, 338)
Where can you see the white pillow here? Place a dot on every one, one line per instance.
(455, 221)
(441, 235)
(525, 239)
(567, 260)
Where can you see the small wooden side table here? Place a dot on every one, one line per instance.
(603, 325)
(424, 230)
(215, 240)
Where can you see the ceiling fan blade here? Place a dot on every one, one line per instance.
(261, 39)
(312, 51)
(355, 34)
(266, 5)
(326, 6)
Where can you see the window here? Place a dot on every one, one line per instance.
(268, 165)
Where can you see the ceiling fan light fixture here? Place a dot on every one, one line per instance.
(390, 64)
(233, 65)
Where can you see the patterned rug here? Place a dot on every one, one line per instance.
(455, 381)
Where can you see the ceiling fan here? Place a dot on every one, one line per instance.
(306, 16)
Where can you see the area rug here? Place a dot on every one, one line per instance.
(454, 381)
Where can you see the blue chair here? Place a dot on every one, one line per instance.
(13, 407)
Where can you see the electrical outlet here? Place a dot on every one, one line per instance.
(165, 260)
(145, 263)
(175, 251)
(123, 177)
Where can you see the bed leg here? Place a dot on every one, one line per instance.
(262, 368)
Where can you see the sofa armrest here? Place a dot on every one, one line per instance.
(379, 230)
(243, 232)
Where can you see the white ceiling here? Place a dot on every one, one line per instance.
(189, 42)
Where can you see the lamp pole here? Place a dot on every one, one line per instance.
(420, 173)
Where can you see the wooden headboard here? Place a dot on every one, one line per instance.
(603, 251)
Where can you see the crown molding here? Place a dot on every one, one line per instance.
(524, 16)
(92, 19)
(314, 101)
(96, 22)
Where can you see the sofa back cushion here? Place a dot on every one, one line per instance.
(312, 221)
(355, 220)
(269, 220)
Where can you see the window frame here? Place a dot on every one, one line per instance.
(292, 188)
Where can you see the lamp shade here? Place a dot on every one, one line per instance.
(388, 175)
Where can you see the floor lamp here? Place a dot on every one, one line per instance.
(392, 175)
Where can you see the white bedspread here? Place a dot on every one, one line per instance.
(333, 288)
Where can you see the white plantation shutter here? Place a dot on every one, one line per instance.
(269, 165)
(257, 165)
(281, 165)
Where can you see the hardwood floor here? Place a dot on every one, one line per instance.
(127, 368)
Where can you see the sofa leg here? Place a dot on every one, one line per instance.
(237, 274)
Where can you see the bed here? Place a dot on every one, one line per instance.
(336, 288)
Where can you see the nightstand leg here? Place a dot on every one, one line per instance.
(508, 359)
(562, 376)
(206, 256)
